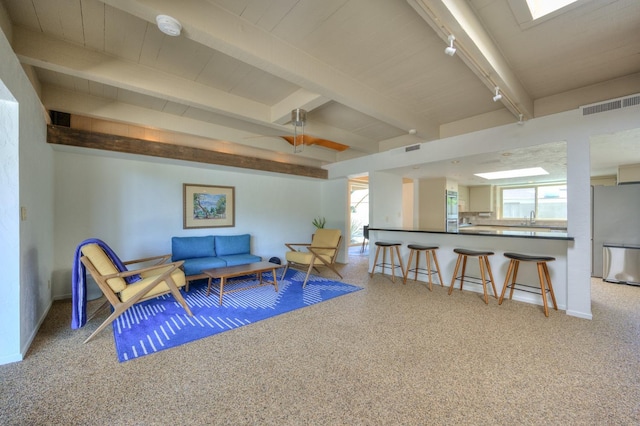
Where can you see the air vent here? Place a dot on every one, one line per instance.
(611, 105)
(631, 101)
(412, 148)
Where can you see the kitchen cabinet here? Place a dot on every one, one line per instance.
(463, 198)
(432, 202)
(481, 199)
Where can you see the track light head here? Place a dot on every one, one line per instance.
(450, 50)
(498, 96)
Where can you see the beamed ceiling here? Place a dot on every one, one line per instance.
(367, 71)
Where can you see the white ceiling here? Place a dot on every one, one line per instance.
(367, 71)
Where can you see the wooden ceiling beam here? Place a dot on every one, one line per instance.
(59, 135)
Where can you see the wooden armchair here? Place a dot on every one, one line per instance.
(155, 280)
(322, 251)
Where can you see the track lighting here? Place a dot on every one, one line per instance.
(498, 96)
(450, 50)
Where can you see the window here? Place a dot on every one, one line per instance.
(539, 8)
(548, 202)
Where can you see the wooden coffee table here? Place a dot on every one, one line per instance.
(235, 271)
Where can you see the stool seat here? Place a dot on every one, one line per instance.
(419, 247)
(529, 258)
(467, 252)
(429, 253)
(486, 276)
(543, 275)
(391, 247)
(386, 244)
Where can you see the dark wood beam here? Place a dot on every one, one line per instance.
(59, 135)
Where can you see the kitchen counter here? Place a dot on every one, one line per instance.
(546, 242)
(546, 232)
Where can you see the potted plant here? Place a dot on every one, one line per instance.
(319, 222)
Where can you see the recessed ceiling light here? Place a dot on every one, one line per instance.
(506, 154)
(533, 171)
(455, 161)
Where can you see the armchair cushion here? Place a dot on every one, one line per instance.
(192, 247)
(104, 265)
(147, 277)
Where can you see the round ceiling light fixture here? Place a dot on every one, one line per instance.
(168, 25)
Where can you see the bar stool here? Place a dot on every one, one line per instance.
(429, 252)
(485, 269)
(543, 273)
(388, 246)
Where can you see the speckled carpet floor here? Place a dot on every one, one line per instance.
(389, 354)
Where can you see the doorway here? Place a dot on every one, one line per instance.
(358, 213)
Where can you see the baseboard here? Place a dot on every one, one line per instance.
(580, 315)
(27, 344)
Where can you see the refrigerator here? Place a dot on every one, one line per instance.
(615, 221)
(452, 211)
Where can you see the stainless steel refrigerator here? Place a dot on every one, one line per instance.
(452, 211)
(615, 220)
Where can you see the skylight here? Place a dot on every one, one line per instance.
(540, 8)
(533, 171)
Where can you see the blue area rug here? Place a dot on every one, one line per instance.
(161, 323)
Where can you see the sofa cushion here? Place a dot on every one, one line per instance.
(227, 245)
(197, 265)
(183, 248)
(240, 259)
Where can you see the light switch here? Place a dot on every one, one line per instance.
(23, 213)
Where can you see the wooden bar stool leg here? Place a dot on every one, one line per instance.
(464, 268)
(484, 282)
(393, 269)
(375, 262)
(544, 293)
(409, 266)
(506, 281)
(415, 272)
(493, 285)
(428, 259)
(384, 259)
(399, 260)
(513, 280)
(455, 273)
(435, 260)
(553, 296)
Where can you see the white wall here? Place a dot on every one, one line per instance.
(26, 181)
(136, 205)
(335, 204)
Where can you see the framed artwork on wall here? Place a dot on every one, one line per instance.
(207, 206)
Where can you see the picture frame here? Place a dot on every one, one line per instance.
(208, 206)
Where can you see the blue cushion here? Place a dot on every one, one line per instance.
(240, 259)
(232, 244)
(197, 265)
(192, 247)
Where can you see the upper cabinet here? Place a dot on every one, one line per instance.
(463, 198)
(481, 199)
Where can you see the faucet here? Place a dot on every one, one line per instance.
(532, 217)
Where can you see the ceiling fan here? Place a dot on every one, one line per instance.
(299, 139)
(311, 140)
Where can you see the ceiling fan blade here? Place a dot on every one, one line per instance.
(310, 140)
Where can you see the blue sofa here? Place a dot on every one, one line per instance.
(200, 253)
